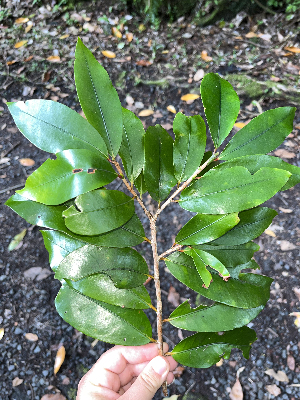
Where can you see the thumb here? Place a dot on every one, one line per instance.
(149, 380)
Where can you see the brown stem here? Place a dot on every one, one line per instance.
(169, 251)
(186, 183)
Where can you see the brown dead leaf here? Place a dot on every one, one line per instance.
(291, 362)
(293, 49)
(53, 59)
(108, 54)
(285, 245)
(178, 371)
(17, 381)
(37, 273)
(172, 109)
(285, 210)
(190, 96)
(144, 63)
(220, 363)
(251, 34)
(173, 297)
(11, 62)
(269, 232)
(28, 59)
(146, 113)
(32, 337)
(1, 333)
(56, 396)
(129, 37)
(28, 27)
(26, 162)
(279, 376)
(59, 358)
(21, 20)
(46, 76)
(20, 44)
(167, 126)
(64, 36)
(205, 57)
(199, 75)
(115, 31)
(284, 153)
(236, 391)
(274, 390)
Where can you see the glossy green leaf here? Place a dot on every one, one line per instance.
(99, 211)
(261, 135)
(37, 213)
(232, 190)
(211, 165)
(256, 162)
(203, 228)
(101, 287)
(72, 173)
(126, 267)
(252, 224)
(132, 147)
(139, 183)
(189, 145)
(242, 292)
(216, 318)
(98, 98)
(158, 170)
(221, 106)
(203, 350)
(211, 261)
(203, 272)
(54, 127)
(101, 320)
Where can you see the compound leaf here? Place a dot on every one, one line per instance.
(98, 98)
(101, 320)
(189, 145)
(261, 135)
(54, 127)
(100, 211)
(72, 173)
(232, 190)
(221, 106)
(203, 350)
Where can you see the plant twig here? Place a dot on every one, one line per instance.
(267, 9)
(186, 183)
(171, 249)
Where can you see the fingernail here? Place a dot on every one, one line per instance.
(159, 365)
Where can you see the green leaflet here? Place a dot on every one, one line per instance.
(216, 318)
(203, 350)
(221, 106)
(72, 173)
(262, 135)
(189, 145)
(232, 190)
(126, 267)
(158, 170)
(132, 148)
(103, 321)
(240, 291)
(54, 127)
(100, 211)
(139, 183)
(98, 98)
(252, 224)
(100, 287)
(203, 272)
(256, 162)
(203, 228)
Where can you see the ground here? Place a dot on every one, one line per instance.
(259, 56)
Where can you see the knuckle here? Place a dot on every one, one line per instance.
(149, 380)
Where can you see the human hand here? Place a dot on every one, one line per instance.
(127, 373)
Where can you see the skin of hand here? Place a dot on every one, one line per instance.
(127, 373)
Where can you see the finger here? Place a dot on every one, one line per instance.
(172, 362)
(86, 390)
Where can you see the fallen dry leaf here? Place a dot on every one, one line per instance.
(220, 363)
(250, 35)
(37, 273)
(286, 245)
(205, 57)
(190, 96)
(290, 361)
(28, 27)
(178, 371)
(1, 333)
(167, 126)
(17, 240)
(284, 153)
(285, 210)
(172, 109)
(28, 58)
(129, 37)
(274, 390)
(108, 54)
(64, 36)
(146, 113)
(26, 162)
(173, 296)
(53, 59)
(17, 381)
(11, 62)
(21, 20)
(279, 376)
(116, 32)
(239, 125)
(129, 100)
(297, 292)
(32, 337)
(236, 391)
(199, 75)
(293, 49)
(59, 358)
(56, 396)
(144, 63)
(297, 320)
(20, 44)
(269, 232)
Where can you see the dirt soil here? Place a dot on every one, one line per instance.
(152, 72)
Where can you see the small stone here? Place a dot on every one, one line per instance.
(45, 373)
(18, 331)
(37, 349)
(19, 347)
(11, 367)
(181, 389)
(213, 380)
